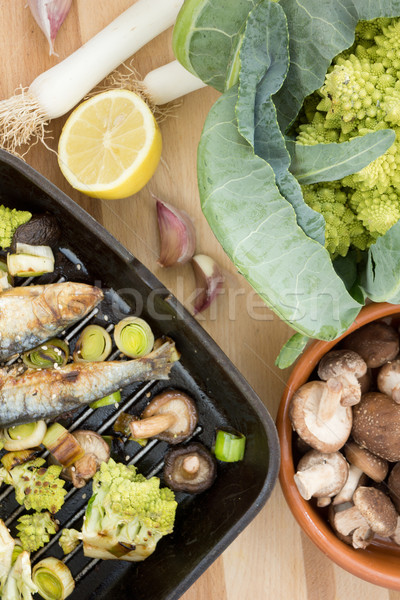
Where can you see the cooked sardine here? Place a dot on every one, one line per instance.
(33, 314)
(33, 394)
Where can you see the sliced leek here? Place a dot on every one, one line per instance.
(24, 436)
(94, 344)
(9, 460)
(62, 445)
(229, 446)
(53, 579)
(54, 353)
(134, 337)
(26, 265)
(107, 400)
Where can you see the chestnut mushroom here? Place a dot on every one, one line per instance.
(388, 380)
(96, 450)
(320, 475)
(373, 512)
(376, 343)
(363, 464)
(394, 486)
(171, 417)
(318, 417)
(333, 512)
(190, 468)
(376, 425)
(346, 367)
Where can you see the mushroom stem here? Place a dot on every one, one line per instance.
(348, 520)
(313, 479)
(191, 466)
(330, 400)
(362, 536)
(151, 426)
(347, 491)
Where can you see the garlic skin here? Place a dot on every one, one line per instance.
(177, 235)
(50, 15)
(209, 280)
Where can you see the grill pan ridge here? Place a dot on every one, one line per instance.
(206, 523)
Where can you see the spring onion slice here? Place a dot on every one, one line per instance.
(53, 579)
(229, 446)
(22, 437)
(62, 445)
(107, 400)
(94, 344)
(134, 337)
(54, 353)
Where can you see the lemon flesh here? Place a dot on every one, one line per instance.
(110, 145)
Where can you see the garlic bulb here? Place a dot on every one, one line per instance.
(50, 15)
(177, 234)
(209, 280)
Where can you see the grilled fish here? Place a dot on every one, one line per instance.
(28, 395)
(33, 314)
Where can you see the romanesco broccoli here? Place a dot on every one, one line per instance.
(10, 219)
(361, 94)
(35, 530)
(37, 487)
(126, 516)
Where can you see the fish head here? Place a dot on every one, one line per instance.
(75, 300)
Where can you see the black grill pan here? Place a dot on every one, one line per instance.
(206, 523)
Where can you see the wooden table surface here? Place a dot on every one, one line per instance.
(272, 559)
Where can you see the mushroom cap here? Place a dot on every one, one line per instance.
(174, 471)
(389, 379)
(377, 509)
(376, 343)
(341, 362)
(374, 466)
(394, 485)
(332, 512)
(93, 444)
(337, 474)
(376, 425)
(325, 436)
(179, 404)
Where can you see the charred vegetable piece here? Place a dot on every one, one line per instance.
(53, 579)
(29, 265)
(24, 436)
(229, 446)
(13, 459)
(190, 468)
(63, 445)
(96, 451)
(40, 230)
(53, 353)
(134, 337)
(170, 416)
(34, 530)
(94, 344)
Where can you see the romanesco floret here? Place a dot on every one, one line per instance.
(37, 487)
(361, 94)
(342, 229)
(69, 539)
(10, 219)
(34, 530)
(126, 516)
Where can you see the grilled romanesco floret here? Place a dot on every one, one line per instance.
(126, 516)
(361, 94)
(38, 487)
(10, 219)
(34, 530)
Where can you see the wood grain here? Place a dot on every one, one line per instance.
(271, 558)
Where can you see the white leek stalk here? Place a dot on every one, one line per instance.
(57, 90)
(169, 82)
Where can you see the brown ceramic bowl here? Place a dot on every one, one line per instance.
(379, 563)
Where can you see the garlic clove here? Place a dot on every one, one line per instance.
(209, 280)
(177, 234)
(50, 15)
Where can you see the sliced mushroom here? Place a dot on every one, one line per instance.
(190, 468)
(320, 475)
(376, 425)
(346, 367)
(376, 343)
(394, 485)
(96, 450)
(388, 380)
(373, 512)
(318, 417)
(171, 416)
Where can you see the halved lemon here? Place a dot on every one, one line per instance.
(110, 145)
